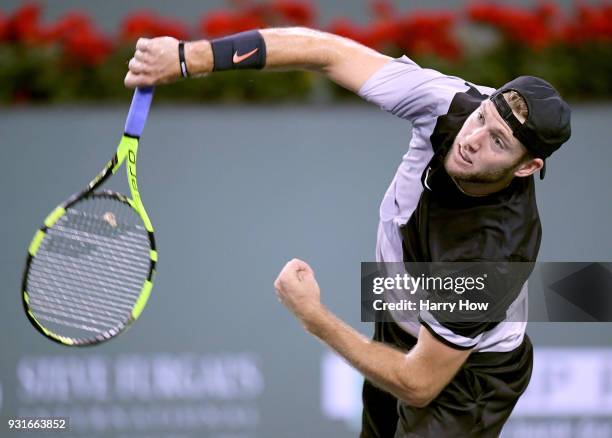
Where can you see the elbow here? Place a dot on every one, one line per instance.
(417, 400)
(422, 401)
(419, 396)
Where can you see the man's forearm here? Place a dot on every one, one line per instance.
(392, 370)
(344, 61)
(416, 377)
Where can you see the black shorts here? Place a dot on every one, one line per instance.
(476, 403)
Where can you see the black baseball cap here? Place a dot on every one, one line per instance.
(547, 125)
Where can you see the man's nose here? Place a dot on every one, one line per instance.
(474, 140)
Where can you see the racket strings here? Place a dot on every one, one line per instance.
(66, 271)
(45, 306)
(87, 241)
(90, 268)
(56, 277)
(72, 296)
(65, 262)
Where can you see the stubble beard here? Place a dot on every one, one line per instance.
(481, 177)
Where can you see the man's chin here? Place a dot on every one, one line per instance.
(456, 173)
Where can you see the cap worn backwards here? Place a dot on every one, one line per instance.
(547, 125)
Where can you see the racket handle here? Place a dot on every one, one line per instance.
(139, 110)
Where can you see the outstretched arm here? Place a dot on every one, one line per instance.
(416, 377)
(342, 60)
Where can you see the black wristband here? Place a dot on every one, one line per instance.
(182, 62)
(239, 51)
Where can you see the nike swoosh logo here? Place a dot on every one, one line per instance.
(237, 59)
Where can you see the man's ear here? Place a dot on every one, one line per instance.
(529, 167)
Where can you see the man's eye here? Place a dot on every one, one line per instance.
(498, 143)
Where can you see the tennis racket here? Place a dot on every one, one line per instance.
(90, 267)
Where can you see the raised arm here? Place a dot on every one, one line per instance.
(342, 60)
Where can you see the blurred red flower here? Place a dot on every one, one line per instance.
(73, 22)
(217, 23)
(257, 16)
(346, 28)
(24, 24)
(416, 33)
(381, 34)
(87, 47)
(294, 12)
(221, 23)
(590, 23)
(3, 27)
(429, 32)
(532, 28)
(147, 24)
(245, 22)
(548, 11)
(80, 41)
(382, 9)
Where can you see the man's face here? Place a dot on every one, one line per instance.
(484, 151)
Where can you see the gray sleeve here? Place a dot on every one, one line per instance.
(410, 92)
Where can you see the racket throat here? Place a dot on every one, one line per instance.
(128, 152)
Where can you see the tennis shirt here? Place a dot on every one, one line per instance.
(437, 104)
(424, 217)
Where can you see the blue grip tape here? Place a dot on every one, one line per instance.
(139, 110)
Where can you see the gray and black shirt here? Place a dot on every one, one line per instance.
(424, 217)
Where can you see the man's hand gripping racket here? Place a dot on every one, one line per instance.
(90, 267)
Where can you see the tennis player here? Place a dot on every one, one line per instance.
(464, 191)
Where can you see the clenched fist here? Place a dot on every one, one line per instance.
(155, 62)
(297, 288)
